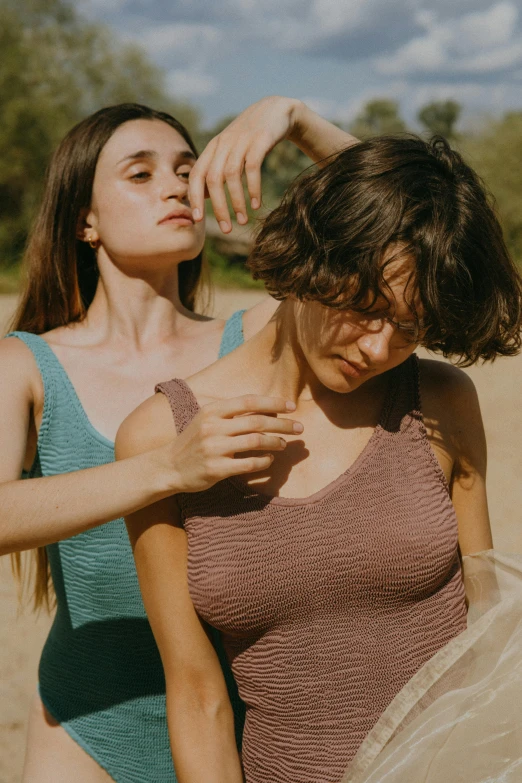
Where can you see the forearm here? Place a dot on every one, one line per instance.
(314, 135)
(202, 739)
(40, 511)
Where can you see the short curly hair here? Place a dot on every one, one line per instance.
(328, 239)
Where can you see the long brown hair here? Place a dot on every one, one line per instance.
(60, 271)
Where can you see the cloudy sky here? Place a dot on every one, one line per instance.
(334, 54)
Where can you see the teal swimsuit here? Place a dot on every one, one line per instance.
(100, 673)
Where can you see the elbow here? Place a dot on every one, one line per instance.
(195, 696)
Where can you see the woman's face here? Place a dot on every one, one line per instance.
(140, 210)
(344, 348)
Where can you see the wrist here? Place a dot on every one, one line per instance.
(158, 468)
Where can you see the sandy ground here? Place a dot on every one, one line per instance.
(21, 636)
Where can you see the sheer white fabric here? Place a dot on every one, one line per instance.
(459, 719)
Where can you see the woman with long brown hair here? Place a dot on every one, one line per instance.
(113, 267)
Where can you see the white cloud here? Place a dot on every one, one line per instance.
(346, 112)
(413, 51)
(322, 106)
(478, 42)
(304, 25)
(186, 83)
(181, 40)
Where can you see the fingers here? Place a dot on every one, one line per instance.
(249, 403)
(236, 467)
(254, 441)
(197, 181)
(261, 424)
(233, 176)
(253, 177)
(223, 162)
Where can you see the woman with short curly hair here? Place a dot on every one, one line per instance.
(333, 572)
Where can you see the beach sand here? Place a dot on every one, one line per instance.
(22, 636)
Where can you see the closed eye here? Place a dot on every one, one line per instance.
(140, 176)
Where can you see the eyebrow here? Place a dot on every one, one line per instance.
(152, 155)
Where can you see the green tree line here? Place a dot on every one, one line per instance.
(57, 67)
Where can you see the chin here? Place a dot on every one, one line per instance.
(339, 383)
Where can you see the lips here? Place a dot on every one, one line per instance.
(181, 216)
(351, 369)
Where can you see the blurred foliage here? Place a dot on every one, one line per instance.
(378, 117)
(284, 163)
(228, 272)
(496, 154)
(55, 69)
(440, 117)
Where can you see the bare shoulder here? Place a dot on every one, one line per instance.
(256, 317)
(149, 426)
(19, 371)
(450, 403)
(445, 381)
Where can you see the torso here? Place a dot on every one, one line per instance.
(100, 620)
(337, 433)
(331, 585)
(120, 379)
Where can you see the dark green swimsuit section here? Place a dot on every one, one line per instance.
(100, 672)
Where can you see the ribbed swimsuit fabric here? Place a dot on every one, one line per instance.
(100, 673)
(327, 604)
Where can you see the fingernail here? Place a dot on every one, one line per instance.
(240, 217)
(298, 427)
(196, 214)
(255, 203)
(290, 406)
(283, 443)
(224, 226)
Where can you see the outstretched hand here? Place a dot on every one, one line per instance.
(240, 147)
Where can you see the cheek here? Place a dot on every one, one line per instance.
(120, 206)
(336, 336)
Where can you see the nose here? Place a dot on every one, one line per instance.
(374, 344)
(174, 187)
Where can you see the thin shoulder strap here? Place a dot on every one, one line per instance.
(183, 403)
(232, 334)
(403, 404)
(49, 366)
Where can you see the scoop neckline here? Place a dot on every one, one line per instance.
(280, 500)
(94, 432)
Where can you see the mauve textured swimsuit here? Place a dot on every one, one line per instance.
(327, 604)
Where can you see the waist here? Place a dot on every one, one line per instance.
(98, 665)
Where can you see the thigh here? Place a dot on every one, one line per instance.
(52, 756)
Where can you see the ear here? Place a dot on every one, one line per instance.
(85, 229)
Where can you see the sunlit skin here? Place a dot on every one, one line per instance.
(344, 348)
(142, 178)
(334, 366)
(136, 332)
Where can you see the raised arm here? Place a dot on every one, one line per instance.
(199, 714)
(243, 145)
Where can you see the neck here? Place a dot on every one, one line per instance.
(275, 358)
(138, 309)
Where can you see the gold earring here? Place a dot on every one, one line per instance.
(93, 243)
